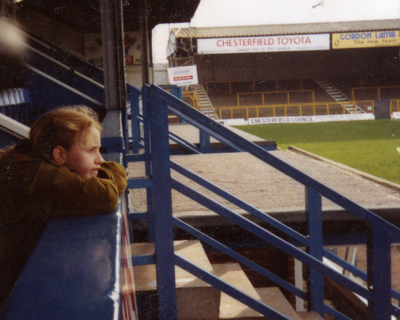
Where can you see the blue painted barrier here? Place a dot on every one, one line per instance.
(63, 55)
(380, 233)
(48, 93)
(73, 273)
(67, 75)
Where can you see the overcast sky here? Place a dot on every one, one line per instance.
(215, 13)
(256, 12)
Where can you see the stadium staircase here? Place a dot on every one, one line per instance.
(338, 96)
(197, 299)
(204, 101)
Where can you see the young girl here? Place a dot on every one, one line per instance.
(58, 172)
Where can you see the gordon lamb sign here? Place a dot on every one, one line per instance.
(365, 39)
(304, 42)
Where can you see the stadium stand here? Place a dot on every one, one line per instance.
(256, 240)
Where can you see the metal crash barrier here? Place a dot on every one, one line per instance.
(294, 109)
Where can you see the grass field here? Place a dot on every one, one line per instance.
(369, 146)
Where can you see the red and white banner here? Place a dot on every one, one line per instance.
(303, 42)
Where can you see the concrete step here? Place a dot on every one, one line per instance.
(191, 250)
(229, 307)
(274, 298)
(195, 298)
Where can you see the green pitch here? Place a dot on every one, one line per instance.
(369, 146)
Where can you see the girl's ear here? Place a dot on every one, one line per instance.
(59, 155)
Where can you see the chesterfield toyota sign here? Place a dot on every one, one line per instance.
(304, 42)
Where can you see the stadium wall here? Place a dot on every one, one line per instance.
(309, 64)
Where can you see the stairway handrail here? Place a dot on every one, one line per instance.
(241, 204)
(238, 257)
(45, 75)
(348, 99)
(380, 233)
(13, 127)
(65, 66)
(48, 44)
(228, 289)
(203, 121)
(271, 238)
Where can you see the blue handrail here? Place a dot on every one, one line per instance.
(269, 158)
(380, 233)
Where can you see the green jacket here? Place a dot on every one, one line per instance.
(34, 190)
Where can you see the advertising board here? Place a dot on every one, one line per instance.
(183, 76)
(365, 39)
(303, 42)
(306, 119)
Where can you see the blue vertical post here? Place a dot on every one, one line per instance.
(147, 160)
(205, 145)
(162, 205)
(379, 273)
(179, 94)
(315, 249)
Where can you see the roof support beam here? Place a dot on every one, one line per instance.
(145, 45)
(113, 54)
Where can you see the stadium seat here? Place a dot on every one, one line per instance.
(16, 104)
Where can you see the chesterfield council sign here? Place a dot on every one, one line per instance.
(304, 42)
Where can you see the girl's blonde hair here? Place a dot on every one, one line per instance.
(61, 127)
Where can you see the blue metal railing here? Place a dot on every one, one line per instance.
(139, 122)
(49, 93)
(66, 74)
(64, 55)
(380, 233)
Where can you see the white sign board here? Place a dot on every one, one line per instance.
(183, 76)
(395, 115)
(305, 119)
(303, 42)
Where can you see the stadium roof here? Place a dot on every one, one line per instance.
(84, 15)
(280, 29)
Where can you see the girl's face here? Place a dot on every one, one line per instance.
(84, 157)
